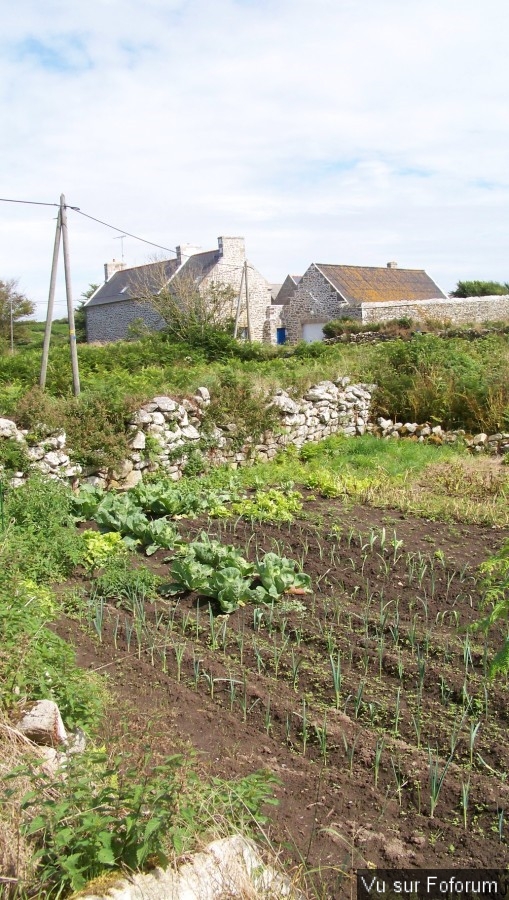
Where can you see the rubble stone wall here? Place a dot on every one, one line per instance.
(111, 321)
(166, 434)
(460, 310)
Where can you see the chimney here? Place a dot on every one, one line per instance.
(392, 265)
(185, 251)
(232, 248)
(111, 268)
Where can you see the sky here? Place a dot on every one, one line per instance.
(339, 131)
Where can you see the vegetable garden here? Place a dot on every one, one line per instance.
(333, 644)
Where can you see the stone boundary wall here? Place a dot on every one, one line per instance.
(167, 435)
(435, 434)
(460, 310)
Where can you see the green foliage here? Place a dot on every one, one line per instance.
(121, 580)
(95, 422)
(229, 588)
(278, 575)
(235, 401)
(454, 382)
(108, 814)
(219, 571)
(187, 575)
(495, 572)
(188, 498)
(480, 289)
(269, 506)
(85, 503)
(14, 306)
(120, 512)
(101, 548)
(40, 541)
(104, 816)
(80, 314)
(36, 664)
(96, 427)
(348, 326)
(13, 456)
(213, 553)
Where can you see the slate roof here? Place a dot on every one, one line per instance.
(372, 284)
(287, 288)
(122, 285)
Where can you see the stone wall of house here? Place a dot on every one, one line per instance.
(273, 321)
(314, 300)
(228, 270)
(111, 321)
(458, 310)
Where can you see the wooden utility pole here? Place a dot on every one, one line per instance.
(68, 291)
(61, 234)
(51, 299)
(249, 335)
(239, 301)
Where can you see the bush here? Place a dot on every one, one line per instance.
(454, 382)
(235, 402)
(13, 456)
(40, 540)
(36, 664)
(110, 813)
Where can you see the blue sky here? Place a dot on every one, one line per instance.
(355, 132)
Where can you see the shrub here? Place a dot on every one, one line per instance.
(13, 456)
(36, 664)
(235, 402)
(96, 426)
(110, 813)
(40, 540)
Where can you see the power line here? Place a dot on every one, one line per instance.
(78, 210)
(29, 202)
(127, 233)
(114, 228)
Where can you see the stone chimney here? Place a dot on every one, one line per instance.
(232, 249)
(185, 251)
(392, 265)
(112, 267)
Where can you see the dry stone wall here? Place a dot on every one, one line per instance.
(169, 435)
(459, 310)
(166, 434)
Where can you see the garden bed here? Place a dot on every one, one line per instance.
(358, 696)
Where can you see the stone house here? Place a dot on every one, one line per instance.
(366, 293)
(274, 330)
(116, 304)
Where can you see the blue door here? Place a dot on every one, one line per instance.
(281, 336)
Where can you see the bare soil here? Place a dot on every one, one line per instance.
(393, 595)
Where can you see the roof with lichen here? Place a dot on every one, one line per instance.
(372, 284)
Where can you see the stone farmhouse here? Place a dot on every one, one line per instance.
(116, 304)
(369, 294)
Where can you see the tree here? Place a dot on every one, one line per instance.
(14, 306)
(190, 310)
(480, 289)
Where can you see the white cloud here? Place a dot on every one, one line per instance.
(350, 132)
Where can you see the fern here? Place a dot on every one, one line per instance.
(500, 664)
(496, 592)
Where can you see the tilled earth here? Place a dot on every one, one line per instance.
(392, 600)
